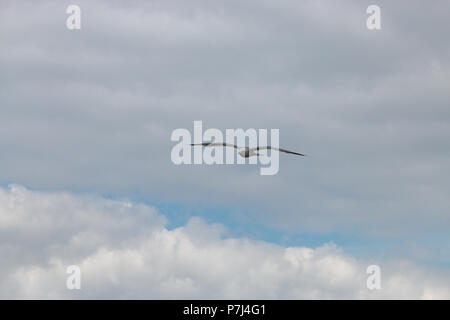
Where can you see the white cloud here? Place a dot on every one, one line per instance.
(124, 250)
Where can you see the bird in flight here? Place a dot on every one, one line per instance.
(244, 152)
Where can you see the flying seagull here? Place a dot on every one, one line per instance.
(245, 152)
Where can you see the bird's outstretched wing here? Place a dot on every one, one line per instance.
(273, 148)
(215, 144)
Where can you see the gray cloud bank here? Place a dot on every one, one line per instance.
(93, 109)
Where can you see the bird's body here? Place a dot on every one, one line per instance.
(244, 152)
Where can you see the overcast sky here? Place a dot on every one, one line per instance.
(85, 123)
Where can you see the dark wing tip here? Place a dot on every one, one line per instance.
(201, 144)
(292, 152)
